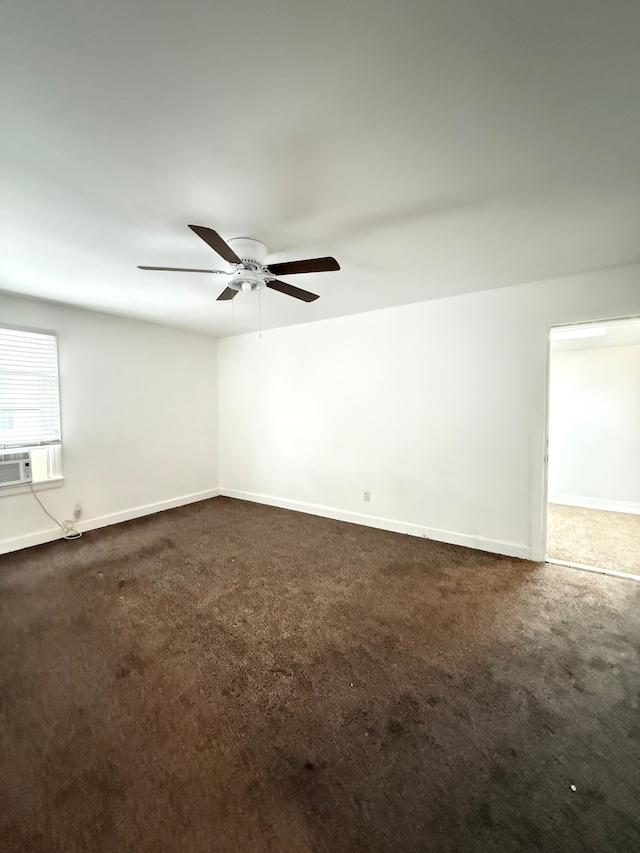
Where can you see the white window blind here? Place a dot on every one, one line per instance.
(29, 394)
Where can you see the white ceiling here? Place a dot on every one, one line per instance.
(433, 146)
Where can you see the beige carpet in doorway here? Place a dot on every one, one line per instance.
(594, 537)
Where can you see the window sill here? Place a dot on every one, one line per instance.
(54, 483)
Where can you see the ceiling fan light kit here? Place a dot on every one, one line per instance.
(249, 272)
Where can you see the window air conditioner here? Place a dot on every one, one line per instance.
(15, 468)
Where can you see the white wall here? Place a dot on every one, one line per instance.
(594, 428)
(438, 408)
(139, 420)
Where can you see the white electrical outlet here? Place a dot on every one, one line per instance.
(77, 511)
(367, 496)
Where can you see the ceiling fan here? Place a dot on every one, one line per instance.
(249, 272)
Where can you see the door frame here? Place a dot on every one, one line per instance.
(541, 546)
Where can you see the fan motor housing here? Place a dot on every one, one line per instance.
(253, 254)
(249, 250)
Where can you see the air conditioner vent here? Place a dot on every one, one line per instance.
(24, 456)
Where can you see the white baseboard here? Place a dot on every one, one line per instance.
(494, 546)
(53, 533)
(596, 503)
(17, 543)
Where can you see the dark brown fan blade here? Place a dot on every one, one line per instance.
(213, 239)
(227, 293)
(173, 269)
(290, 290)
(312, 265)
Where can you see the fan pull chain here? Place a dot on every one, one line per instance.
(233, 327)
(259, 313)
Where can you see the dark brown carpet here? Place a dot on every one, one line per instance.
(233, 677)
(594, 537)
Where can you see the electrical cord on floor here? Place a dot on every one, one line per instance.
(67, 526)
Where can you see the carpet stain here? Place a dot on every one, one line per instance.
(130, 663)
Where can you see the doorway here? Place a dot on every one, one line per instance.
(593, 504)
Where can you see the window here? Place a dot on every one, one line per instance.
(30, 399)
